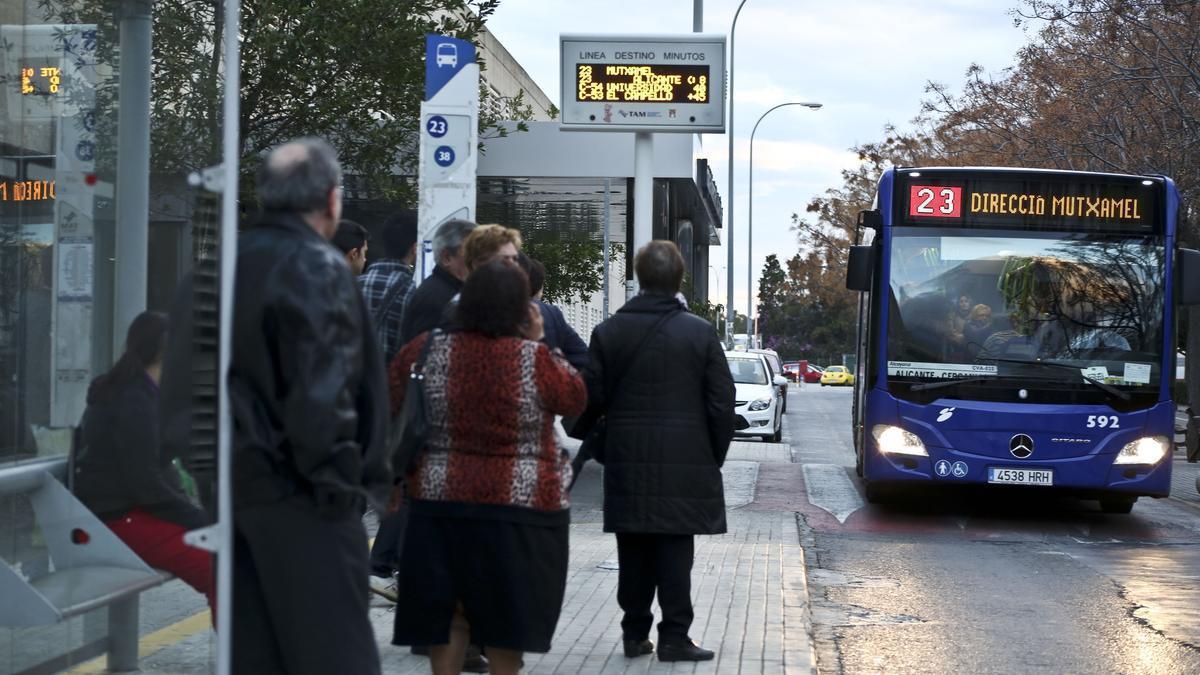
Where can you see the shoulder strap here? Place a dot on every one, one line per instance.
(638, 350)
(388, 301)
(418, 366)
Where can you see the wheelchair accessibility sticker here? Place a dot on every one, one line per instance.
(945, 469)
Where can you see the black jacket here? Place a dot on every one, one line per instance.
(118, 463)
(307, 386)
(426, 309)
(560, 335)
(669, 423)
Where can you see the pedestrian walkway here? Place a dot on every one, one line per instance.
(750, 599)
(749, 588)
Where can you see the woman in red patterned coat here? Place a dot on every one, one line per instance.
(485, 554)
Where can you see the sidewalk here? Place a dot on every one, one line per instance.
(749, 588)
(751, 607)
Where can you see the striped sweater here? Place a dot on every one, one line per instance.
(491, 404)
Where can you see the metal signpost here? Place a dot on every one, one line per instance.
(643, 84)
(449, 138)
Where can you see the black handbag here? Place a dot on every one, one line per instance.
(406, 436)
(592, 425)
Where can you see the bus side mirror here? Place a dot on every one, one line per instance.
(1187, 277)
(870, 219)
(858, 268)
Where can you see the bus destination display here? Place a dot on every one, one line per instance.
(636, 83)
(1038, 204)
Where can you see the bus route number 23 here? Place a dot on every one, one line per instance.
(934, 201)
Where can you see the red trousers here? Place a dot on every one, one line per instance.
(160, 544)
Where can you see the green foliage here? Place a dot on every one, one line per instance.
(574, 264)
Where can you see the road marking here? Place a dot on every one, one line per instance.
(830, 489)
(159, 639)
(1181, 500)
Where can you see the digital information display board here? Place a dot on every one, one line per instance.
(643, 82)
(1030, 200)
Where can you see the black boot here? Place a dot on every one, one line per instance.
(683, 650)
(636, 648)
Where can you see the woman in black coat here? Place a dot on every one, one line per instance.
(660, 377)
(121, 474)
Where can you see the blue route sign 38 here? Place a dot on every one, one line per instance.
(443, 155)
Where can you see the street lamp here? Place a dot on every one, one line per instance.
(729, 313)
(750, 327)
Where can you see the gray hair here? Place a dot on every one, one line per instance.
(298, 175)
(449, 236)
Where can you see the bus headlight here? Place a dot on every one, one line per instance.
(896, 441)
(760, 404)
(1148, 450)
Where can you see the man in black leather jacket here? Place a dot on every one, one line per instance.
(309, 402)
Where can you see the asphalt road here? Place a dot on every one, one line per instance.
(982, 582)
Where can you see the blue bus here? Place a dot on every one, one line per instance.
(1017, 327)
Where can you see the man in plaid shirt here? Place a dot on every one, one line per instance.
(388, 282)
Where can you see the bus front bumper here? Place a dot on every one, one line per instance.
(1093, 474)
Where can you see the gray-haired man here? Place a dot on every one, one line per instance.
(309, 403)
(427, 306)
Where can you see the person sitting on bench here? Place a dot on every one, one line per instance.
(122, 476)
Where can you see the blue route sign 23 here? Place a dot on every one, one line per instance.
(436, 126)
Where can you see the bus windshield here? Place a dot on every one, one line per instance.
(981, 303)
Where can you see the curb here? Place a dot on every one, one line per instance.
(798, 626)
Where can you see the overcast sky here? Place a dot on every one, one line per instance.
(867, 61)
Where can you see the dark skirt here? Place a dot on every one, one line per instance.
(510, 577)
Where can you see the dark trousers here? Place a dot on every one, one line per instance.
(389, 541)
(300, 592)
(652, 563)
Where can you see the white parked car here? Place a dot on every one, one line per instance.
(757, 403)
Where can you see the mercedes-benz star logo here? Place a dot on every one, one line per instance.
(1021, 446)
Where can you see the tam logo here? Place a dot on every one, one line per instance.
(946, 414)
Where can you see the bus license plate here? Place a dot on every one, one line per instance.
(1011, 476)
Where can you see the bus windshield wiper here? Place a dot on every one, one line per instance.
(1104, 386)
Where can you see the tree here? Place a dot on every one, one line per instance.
(574, 264)
(772, 294)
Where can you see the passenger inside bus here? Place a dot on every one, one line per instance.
(977, 329)
(1013, 342)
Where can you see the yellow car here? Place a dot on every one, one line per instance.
(835, 375)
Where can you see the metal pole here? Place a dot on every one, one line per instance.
(230, 157)
(752, 326)
(750, 241)
(643, 196)
(729, 310)
(133, 170)
(697, 16)
(607, 239)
